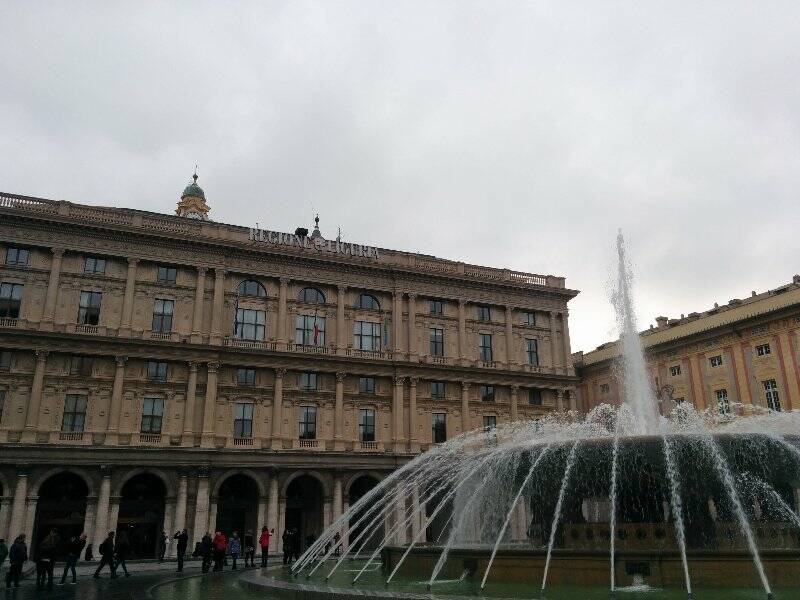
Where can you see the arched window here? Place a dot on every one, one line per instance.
(311, 295)
(250, 287)
(368, 302)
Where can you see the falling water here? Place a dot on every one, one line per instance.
(677, 509)
(613, 517)
(557, 511)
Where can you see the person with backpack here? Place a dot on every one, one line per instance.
(3, 553)
(220, 545)
(46, 560)
(121, 550)
(206, 550)
(106, 550)
(74, 548)
(183, 542)
(234, 547)
(249, 549)
(17, 556)
(263, 542)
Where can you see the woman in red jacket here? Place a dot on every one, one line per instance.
(263, 541)
(220, 545)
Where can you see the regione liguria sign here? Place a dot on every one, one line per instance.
(313, 244)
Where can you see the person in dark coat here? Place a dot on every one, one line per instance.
(121, 550)
(286, 538)
(162, 546)
(183, 542)
(46, 560)
(17, 556)
(206, 550)
(3, 552)
(249, 549)
(106, 550)
(74, 548)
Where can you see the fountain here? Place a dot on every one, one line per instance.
(630, 499)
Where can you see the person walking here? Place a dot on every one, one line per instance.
(338, 546)
(234, 547)
(106, 551)
(263, 542)
(121, 550)
(183, 542)
(162, 546)
(296, 541)
(46, 560)
(249, 549)
(74, 548)
(206, 549)
(3, 553)
(286, 538)
(17, 556)
(220, 544)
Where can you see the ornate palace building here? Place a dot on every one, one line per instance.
(161, 372)
(745, 351)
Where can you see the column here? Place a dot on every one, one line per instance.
(397, 323)
(465, 420)
(261, 515)
(337, 496)
(399, 519)
(32, 416)
(207, 440)
(30, 517)
(212, 516)
(398, 418)
(282, 293)
(572, 398)
(510, 354)
(568, 368)
(17, 523)
(115, 410)
(341, 325)
(90, 518)
(327, 511)
(338, 413)
(346, 528)
(412, 415)
(554, 360)
(179, 522)
(514, 403)
(101, 524)
(127, 302)
(412, 327)
(789, 370)
(742, 381)
(280, 524)
(169, 525)
(417, 519)
(272, 513)
(201, 507)
(5, 514)
(199, 300)
(187, 440)
(462, 330)
(277, 410)
(48, 315)
(113, 515)
(560, 400)
(219, 304)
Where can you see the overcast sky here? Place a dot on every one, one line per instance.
(518, 135)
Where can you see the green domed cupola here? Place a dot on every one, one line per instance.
(193, 202)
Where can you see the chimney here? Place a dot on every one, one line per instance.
(661, 322)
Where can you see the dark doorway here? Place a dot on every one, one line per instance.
(304, 506)
(141, 514)
(370, 540)
(61, 506)
(237, 505)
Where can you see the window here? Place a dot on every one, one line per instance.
(675, 370)
(366, 335)
(94, 266)
(485, 347)
(487, 393)
(723, 406)
(437, 342)
(435, 307)
(152, 414)
(771, 394)
(156, 370)
(366, 425)
(250, 324)
(604, 388)
(489, 422)
(251, 288)
(716, 361)
(243, 420)
(366, 385)
(311, 295)
(89, 310)
(17, 257)
(439, 427)
(162, 315)
(2, 403)
(309, 330)
(484, 313)
(166, 274)
(535, 397)
(80, 365)
(10, 299)
(762, 350)
(5, 360)
(529, 319)
(245, 376)
(367, 302)
(532, 351)
(308, 422)
(74, 413)
(437, 390)
(308, 381)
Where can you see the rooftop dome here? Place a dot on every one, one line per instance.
(193, 189)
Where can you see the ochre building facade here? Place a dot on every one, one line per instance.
(167, 371)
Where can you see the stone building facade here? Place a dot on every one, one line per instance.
(161, 372)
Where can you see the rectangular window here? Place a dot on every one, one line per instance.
(243, 420)
(309, 330)
(366, 425)
(74, 413)
(308, 422)
(437, 342)
(166, 274)
(605, 388)
(5, 360)
(435, 307)
(80, 365)
(534, 397)
(771, 395)
(439, 427)
(763, 350)
(489, 422)
(485, 347)
(437, 390)
(156, 370)
(529, 319)
(152, 414)
(94, 266)
(17, 257)
(250, 324)
(308, 381)
(487, 393)
(675, 370)
(484, 313)
(715, 361)
(532, 351)
(162, 315)
(366, 335)
(10, 300)
(245, 376)
(89, 310)
(723, 406)
(366, 385)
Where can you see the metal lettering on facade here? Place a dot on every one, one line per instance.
(319, 244)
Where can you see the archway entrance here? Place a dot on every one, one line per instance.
(237, 505)
(141, 514)
(358, 489)
(61, 506)
(304, 506)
